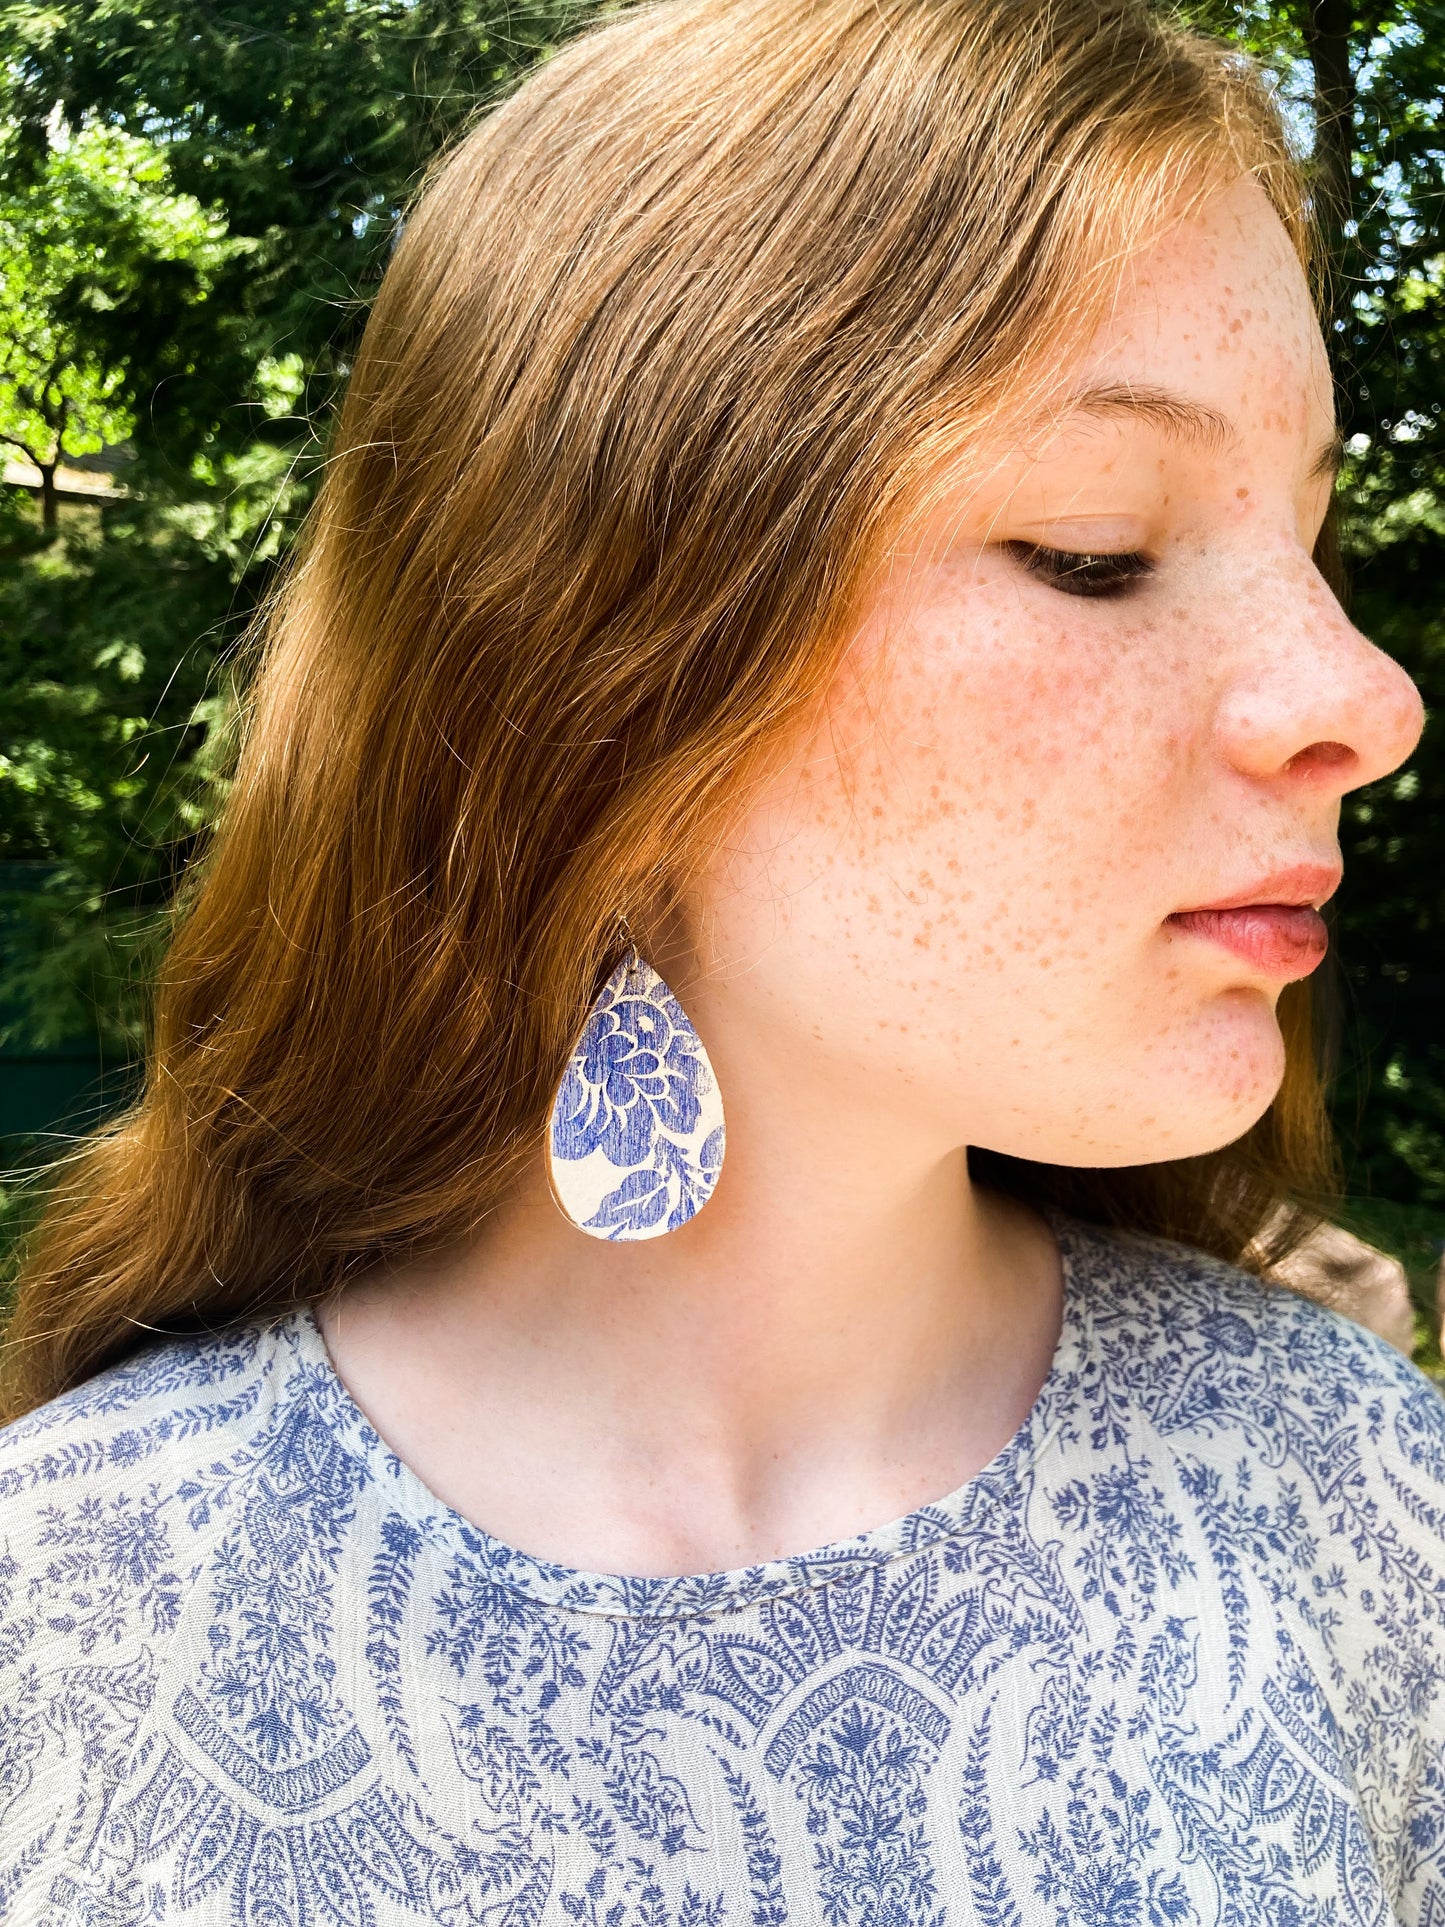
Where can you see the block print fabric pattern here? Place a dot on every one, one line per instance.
(1175, 1658)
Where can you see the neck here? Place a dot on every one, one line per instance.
(848, 1329)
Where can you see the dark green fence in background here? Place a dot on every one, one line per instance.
(47, 1095)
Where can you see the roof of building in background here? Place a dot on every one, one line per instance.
(79, 478)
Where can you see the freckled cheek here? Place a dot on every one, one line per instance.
(1001, 795)
(1024, 740)
(1021, 805)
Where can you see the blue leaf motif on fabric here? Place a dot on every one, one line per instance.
(1229, 1332)
(1420, 1432)
(711, 1155)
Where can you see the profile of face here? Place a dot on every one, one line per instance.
(1110, 688)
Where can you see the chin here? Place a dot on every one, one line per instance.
(1213, 1086)
(1188, 1136)
(1183, 1094)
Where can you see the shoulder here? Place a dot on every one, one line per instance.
(164, 1439)
(1284, 1469)
(141, 1422)
(1151, 1296)
(131, 1509)
(1217, 1360)
(106, 1518)
(168, 1537)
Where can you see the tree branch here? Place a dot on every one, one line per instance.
(14, 441)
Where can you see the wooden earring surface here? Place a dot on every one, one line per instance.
(637, 1135)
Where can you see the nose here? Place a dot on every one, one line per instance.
(1311, 699)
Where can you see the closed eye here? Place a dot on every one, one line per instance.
(1075, 572)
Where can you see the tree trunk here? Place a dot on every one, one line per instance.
(1327, 28)
(49, 500)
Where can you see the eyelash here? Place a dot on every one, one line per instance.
(1072, 572)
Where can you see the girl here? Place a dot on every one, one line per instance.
(681, 1332)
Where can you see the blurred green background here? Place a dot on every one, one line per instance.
(195, 207)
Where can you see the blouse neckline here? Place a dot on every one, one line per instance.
(982, 1503)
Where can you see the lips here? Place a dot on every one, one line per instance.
(1281, 940)
(1273, 925)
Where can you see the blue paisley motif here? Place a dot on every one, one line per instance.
(1174, 1658)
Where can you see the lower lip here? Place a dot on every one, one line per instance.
(1280, 940)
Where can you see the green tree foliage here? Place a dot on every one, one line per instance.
(194, 209)
(76, 239)
(305, 122)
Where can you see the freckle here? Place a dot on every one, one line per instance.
(1241, 494)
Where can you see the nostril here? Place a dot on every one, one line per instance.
(1319, 757)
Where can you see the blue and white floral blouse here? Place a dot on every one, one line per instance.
(1176, 1656)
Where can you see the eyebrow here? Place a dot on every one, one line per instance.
(1190, 421)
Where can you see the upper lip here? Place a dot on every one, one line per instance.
(1300, 884)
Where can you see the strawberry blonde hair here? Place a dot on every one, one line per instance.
(669, 350)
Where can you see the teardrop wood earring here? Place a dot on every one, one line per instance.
(636, 1139)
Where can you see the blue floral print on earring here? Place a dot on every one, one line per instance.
(638, 1101)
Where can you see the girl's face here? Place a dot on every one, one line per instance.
(963, 901)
